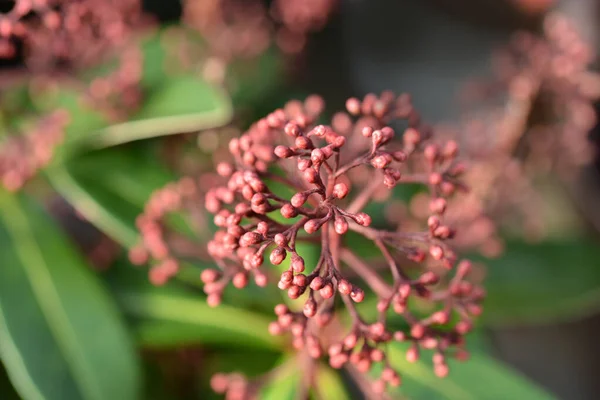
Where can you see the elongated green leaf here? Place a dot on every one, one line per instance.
(539, 283)
(329, 384)
(284, 383)
(180, 105)
(169, 317)
(112, 199)
(60, 335)
(479, 378)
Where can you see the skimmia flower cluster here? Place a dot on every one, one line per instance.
(246, 28)
(546, 91)
(291, 181)
(21, 156)
(75, 33)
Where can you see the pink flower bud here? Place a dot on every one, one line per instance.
(340, 190)
(340, 225)
(317, 283)
(312, 226)
(277, 255)
(283, 152)
(357, 294)
(363, 219)
(353, 106)
(297, 263)
(344, 287)
(250, 238)
(299, 199)
(288, 211)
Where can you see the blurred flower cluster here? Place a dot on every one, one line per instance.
(246, 28)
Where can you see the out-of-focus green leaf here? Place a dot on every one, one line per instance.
(110, 188)
(60, 335)
(181, 104)
(480, 378)
(329, 384)
(284, 383)
(539, 283)
(169, 316)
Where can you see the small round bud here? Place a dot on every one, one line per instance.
(417, 331)
(299, 199)
(435, 178)
(353, 106)
(288, 211)
(344, 287)
(438, 206)
(240, 280)
(311, 226)
(363, 219)
(281, 309)
(283, 152)
(317, 283)
(357, 294)
(209, 275)
(326, 291)
(300, 280)
(367, 131)
(340, 225)
(412, 354)
(436, 252)
(277, 255)
(340, 190)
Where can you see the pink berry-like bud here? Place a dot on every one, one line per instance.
(311, 226)
(353, 106)
(277, 255)
(288, 211)
(317, 156)
(340, 225)
(340, 190)
(436, 252)
(250, 238)
(297, 263)
(281, 309)
(209, 275)
(438, 206)
(240, 280)
(283, 152)
(299, 199)
(311, 175)
(363, 219)
(344, 287)
(326, 291)
(357, 294)
(317, 283)
(367, 131)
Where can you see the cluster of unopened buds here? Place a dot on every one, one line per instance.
(290, 182)
(547, 89)
(21, 156)
(246, 28)
(73, 32)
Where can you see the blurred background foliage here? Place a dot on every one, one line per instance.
(70, 329)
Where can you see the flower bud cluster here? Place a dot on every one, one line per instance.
(21, 156)
(258, 220)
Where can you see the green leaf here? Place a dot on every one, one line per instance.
(540, 283)
(60, 334)
(112, 199)
(329, 384)
(285, 382)
(169, 316)
(479, 378)
(181, 104)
